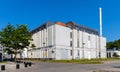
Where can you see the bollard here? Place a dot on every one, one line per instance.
(17, 66)
(25, 64)
(2, 67)
(30, 63)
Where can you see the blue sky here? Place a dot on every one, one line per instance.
(85, 12)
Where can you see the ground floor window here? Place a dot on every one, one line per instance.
(78, 53)
(71, 52)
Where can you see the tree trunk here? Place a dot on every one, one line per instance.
(15, 57)
(15, 54)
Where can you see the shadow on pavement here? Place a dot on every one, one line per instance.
(116, 66)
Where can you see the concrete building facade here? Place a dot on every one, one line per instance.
(66, 41)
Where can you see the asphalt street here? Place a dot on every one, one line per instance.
(63, 67)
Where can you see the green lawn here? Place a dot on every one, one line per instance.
(2, 62)
(82, 61)
(85, 61)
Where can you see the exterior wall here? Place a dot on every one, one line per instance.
(44, 41)
(103, 47)
(50, 37)
(54, 42)
(62, 42)
(62, 36)
(87, 49)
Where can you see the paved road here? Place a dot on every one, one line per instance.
(62, 67)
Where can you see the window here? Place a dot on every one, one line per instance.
(99, 54)
(70, 34)
(71, 52)
(89, 38)
(71, 43)
(77, 38)
(78, 43)
(78, 53)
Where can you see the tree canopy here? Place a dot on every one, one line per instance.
(113, 44)
(15, 38)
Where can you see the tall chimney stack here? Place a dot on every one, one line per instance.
(100, 13)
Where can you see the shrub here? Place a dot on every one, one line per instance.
(115, 54)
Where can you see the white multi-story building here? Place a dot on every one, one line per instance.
(66, 41)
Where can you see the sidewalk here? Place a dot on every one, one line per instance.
(108, 70)
(11, 67)
(113, 66)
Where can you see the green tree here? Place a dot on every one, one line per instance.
(15, 39)
(113, 44)
(110, 45)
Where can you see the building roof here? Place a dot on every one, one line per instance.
(70, 24)
(81, 27)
